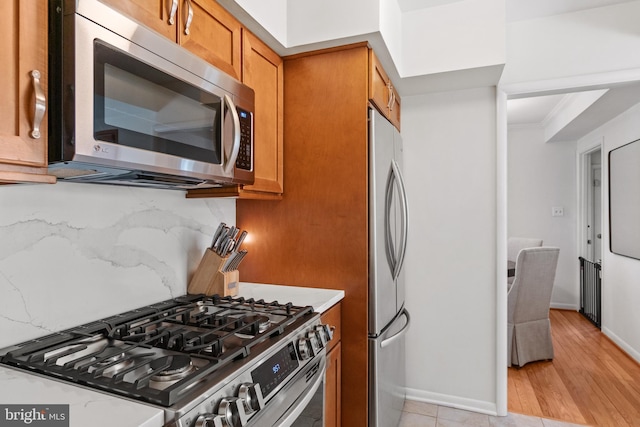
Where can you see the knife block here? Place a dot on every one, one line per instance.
(209, 279)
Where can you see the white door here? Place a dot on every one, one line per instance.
(593, 189)
(596, 188)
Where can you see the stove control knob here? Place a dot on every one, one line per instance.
(315, 343)
(209, 420)
(251, 396)
(328, 330)
(304, 349)
(232, 412)
(322, 334)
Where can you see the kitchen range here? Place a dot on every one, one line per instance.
(205, 361)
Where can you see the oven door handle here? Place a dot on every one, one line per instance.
(294, 412)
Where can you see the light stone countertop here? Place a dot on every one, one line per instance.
(320, 299)
(88, 407)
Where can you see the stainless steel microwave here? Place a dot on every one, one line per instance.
(129, 106)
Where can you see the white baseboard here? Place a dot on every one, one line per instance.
(562, 306)
(633, 353)
(480, 406)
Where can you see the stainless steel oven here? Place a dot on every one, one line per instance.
(301, 402)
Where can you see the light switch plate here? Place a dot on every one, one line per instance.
(557, 211)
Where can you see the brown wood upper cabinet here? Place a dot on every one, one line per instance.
(23, 67)
(381, 91)
(202, 26)
(206, 29)
(262, 70)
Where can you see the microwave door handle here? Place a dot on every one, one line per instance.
(231, 161)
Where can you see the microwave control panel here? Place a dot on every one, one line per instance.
(246, 137)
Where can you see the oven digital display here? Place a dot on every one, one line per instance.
(272, 372)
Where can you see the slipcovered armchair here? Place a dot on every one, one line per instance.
(529, 328)
(515, 244)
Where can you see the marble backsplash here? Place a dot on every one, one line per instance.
(74, 253)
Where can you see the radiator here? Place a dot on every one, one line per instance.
(590, 291)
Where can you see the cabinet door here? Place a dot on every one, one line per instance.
(382, 94)
(333, 386)
(23, 49)
(159, 15)
(262, 70)
(333, 379)
(379, 85)
(394, 110)
(211, 33)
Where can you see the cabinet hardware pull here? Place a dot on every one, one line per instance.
(172, 14)
(189, 18)
(40, 104)
(390, 100)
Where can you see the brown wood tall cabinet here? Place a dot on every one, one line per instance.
(23, 66)
(317, 235)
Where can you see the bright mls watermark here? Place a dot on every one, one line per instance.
(34, 415)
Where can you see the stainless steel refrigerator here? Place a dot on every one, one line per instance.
(388, 230)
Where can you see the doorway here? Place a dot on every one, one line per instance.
(588, 169)
(592, 209)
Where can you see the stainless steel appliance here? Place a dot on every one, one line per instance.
(207, 361)
(388, 318)
(129, 106)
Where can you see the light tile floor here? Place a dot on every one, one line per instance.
(420, 414)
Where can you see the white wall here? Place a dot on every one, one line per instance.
(75, 253)
(429, 46)
(456, 36)
(450, 174)
(317, 21)
(391, 29)
(271, 14)
(542, 175)
(588, 42)
(620, 275)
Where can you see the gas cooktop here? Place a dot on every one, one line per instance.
(178, 353)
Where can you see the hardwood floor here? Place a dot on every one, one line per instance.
(590, 381)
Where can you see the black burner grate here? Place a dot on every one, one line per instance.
(136, 353)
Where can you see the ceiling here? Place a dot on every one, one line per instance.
(520, 10)
(570, 116)
(544, 111)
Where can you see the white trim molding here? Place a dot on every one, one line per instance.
(457, 402)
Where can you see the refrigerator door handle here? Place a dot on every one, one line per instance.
(388, 238)
(400, 333)
(395, 181)
(404, 219)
